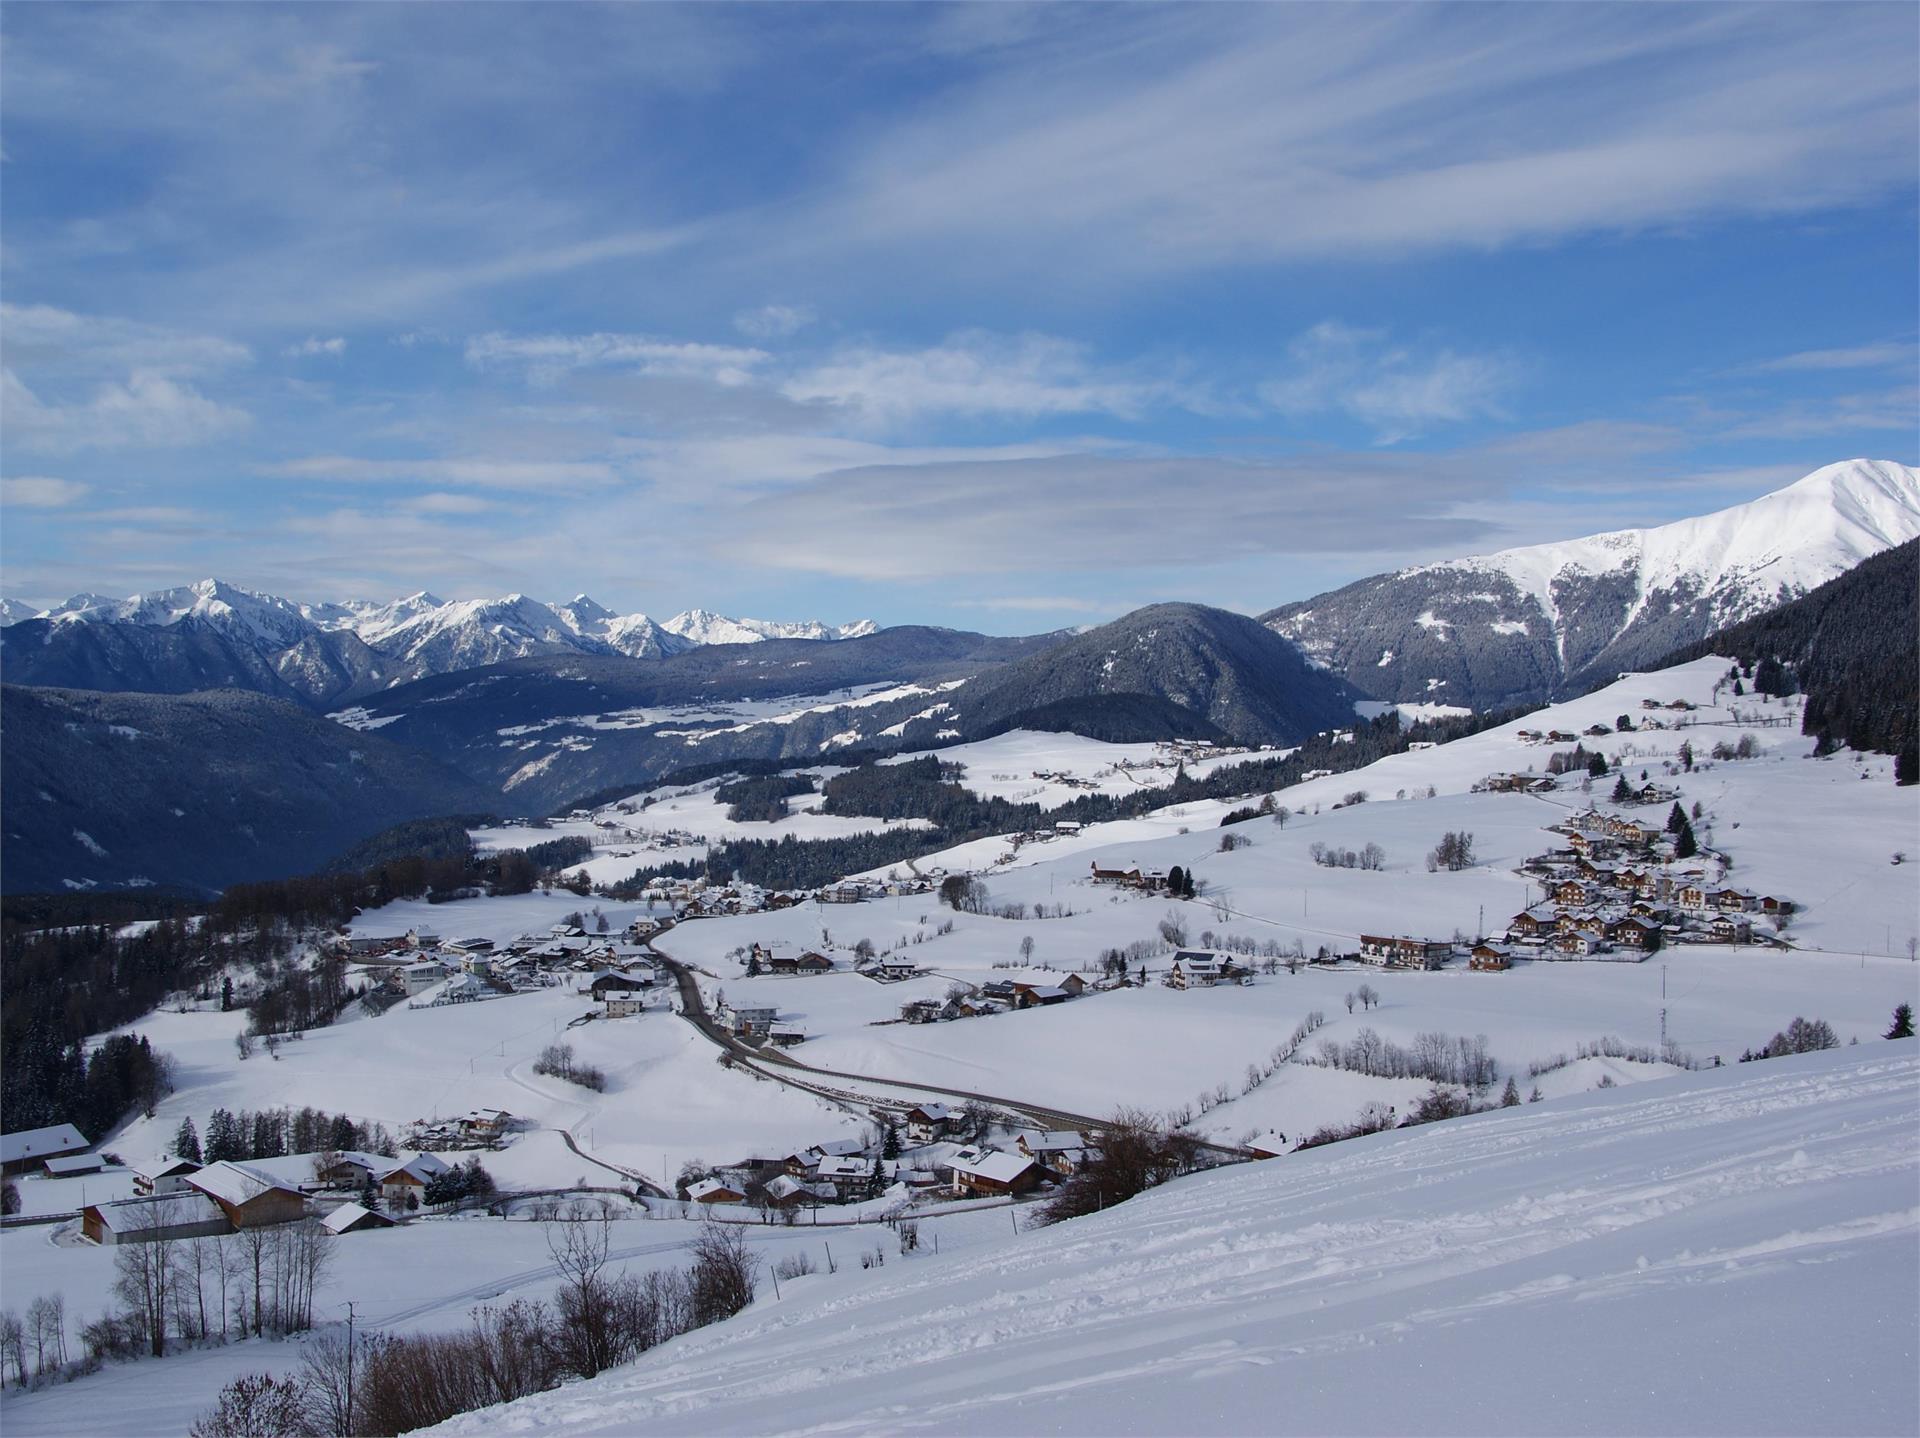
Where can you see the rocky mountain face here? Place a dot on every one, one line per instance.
(1543, 622)
(211, 634)
(196, 791)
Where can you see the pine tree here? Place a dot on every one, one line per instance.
(1902, 1023)
(1535, 1096)
(890, 1141)
(877, 1180)
(223, 1137)
(226, 994)
(1597, 765)
(1510, 1096)
(186, 1142)
(1684, 845)
(1622, 791)
(1176, 880)
(1677, 819)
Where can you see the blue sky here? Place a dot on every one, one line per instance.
(992, 316)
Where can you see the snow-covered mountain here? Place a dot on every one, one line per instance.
(12, 611)
(1532, 623)
(703, 626)
(335, 652)
(1568, 1267)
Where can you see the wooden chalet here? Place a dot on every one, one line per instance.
(249, 1197)
(1489, 957)
(927, 1123)
(28, 1149)
(986, 1171)
(713, 1190)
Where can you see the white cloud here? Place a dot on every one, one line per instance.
(974, 373)
(1392, 389)
(773, 322)
(314, 345)
(148, 409)
(547, 357)
(42, 492)
(40, 339)
(1275, 132)
(1038, 516)
(473, 473)
(1867, 356)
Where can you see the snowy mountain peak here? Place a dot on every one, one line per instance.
(1528, 623)
(703, 626)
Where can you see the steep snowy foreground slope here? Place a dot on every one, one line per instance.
(1533, 623)
(1725, 1253)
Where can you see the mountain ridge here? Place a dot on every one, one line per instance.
(1541, 621)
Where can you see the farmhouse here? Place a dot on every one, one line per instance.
(928, 1122)
(1403, 953)
(29, 1148)
(167, 1175)
(985, 1171)
(1061, 1152)
(713, 1190)
(1635, 932)
(248, 1197)
(624, 1005)
(748, 1022)
(1030, 996)
(150, 1220)
(1195, 970)
(1271, 1144)
(409, 1180)
(1490, 957)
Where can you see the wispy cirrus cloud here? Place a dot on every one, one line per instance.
(531, 475)
(313, 345)
(1879, 355)
(1395, 389)
(545, 358)
(147, 408)
(774, 322)
(976, 373)
(34, 491)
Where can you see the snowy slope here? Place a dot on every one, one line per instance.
(1724, 1253)
(1546, 619)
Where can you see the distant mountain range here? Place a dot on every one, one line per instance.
(1528, 625)
(212, 634)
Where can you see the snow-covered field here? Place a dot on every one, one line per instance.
(1722, 1253)
(1026, 767)
(425, 1277)
(677, 826)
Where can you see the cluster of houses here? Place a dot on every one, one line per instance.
(1615, 891)
(843, 1171)
(476, 1128)
(1001, 996)
(177, 1198)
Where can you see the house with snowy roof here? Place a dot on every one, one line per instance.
(247, 1196)
(29, 1148)
(927, 1123)
(352, 1218)
(153, 1219)
(988, 1171)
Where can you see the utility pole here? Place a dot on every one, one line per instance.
(1663, 1009)
(349, 1423)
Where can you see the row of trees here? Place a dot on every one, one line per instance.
(1438, 1057)
(600, 1317)
(274, 1132)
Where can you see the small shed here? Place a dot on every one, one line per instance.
(352, 1218)
(149, 1220)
